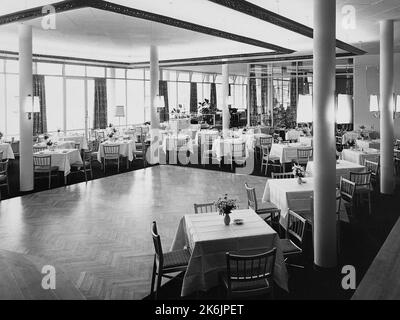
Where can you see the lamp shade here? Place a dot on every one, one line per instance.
(229, 100)
(397, 105)
(373, 103)
(119, 111)
(159, 102)
(305, 109)
(344, 111)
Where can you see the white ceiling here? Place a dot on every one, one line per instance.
(97, 34)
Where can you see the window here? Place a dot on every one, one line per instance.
(120, 73)
(219, 96)
(147, 101)
(54, 103)
(74, 70)
(12, 102)
(135, 109)
(3, 113)
(197, 77)
(172, 98)
(12, 66)
(51, 69)
(135, 74)
(183, 76)
(200, 92)
(184, 95)
(75, 97)
(118, 100)
(90, 101)
(96, 72)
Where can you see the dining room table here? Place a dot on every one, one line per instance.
(222, 147)
(7, 150)
(343, 169)
(208, 239)
(359, 156)
(369, 144)
(171, 141)
(127, 148)
(286, 152)
(306, 140)
(62, 158)
(81, 139)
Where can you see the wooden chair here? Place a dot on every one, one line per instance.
(238, 153)
(166, 263)
(99, 135)
(207, 152)
(294, 230)
(304, 155)
(204, 207)
(15, 148)
(140, 146)
(268, 160)
(267, 210)
(85, 166)
(38, 149)
(4, 176)
(363, 186)
(42, 166)
(264, 142)
(249, 275)
(285, 175)
(396, 160)
(111, 153)
(93, 149)
(373, 167)
(347, 189)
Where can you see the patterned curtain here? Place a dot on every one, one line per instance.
(163, 91)
(193, 97)
(213, 96)
(253, 94)
(100, 103)
(39, 119)
(264, 93)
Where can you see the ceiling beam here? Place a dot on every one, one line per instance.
(281, 21)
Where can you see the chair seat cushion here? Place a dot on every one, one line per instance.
(45, 169)
(266, 207)
(176, 258)
(289, 247)
(80, 164)
(271, 158)
(246, 285)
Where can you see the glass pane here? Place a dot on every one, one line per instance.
(52, 69)
(54, 103)
(172, 98)
(147, 100)
(200, 92)
(135, 74)
(120, 73)
(218, 79)
(2, 105)
(118, 100)
(219, 96)
(74, 70)
(183, 76)
(96, 72)
(90, 99)
(135, 108)
(147, 74)
(206, 91)
(75, 96)
(12, 66)
(12, 84)
(1, 65)
(197, 77)
(184, 96)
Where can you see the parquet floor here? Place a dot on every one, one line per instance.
(98, 233)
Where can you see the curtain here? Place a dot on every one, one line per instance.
(163, 91)
(39, 119)
(213, 96)
(264, 93)
(100, 103)
(193, 97)
(253, 95)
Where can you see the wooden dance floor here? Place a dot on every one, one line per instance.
(98, 234)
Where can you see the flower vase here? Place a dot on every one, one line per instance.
(299, 180)
(227, 219)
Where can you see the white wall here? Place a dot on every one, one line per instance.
(365, 85)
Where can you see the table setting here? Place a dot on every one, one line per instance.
(62, 158)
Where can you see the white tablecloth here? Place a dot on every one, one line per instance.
(200, 136)
(306, 141)
(285, 153)
(126, 149)
(179, 124)
(7, 151)
(171, 141)
(209, 239)
(343, 169)
(62, 158)
(369, 144)
(78, 139)
(358, 156)
(223, 147)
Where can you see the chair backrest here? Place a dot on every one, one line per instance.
(77, 146)
(38, 149)
(111, 151)
(361, 179)
(239, 149)
(295, 226)
(99, 135)
(285, 175)
(42, 161)
(304, 153)
(157, 242)
(371, 166)
(94, 146)
(347, 189)
(1, 155)
(250, 267)
(86, 156)
(4, 167)
(266, 141)
(15, 147)
(251, 197)
(204, 207)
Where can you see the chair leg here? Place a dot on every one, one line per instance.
(49, 179)
(369, 203)
(153, 277)
(104, 165)
(159, 277)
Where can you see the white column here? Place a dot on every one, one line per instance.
(386, 106)
(324, 138)
(225, 94)
(154, 83)
(25, 99)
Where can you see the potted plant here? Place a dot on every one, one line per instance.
(298, 172)
(225, 207)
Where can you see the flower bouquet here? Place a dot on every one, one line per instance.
(298, 172)
(225, 207)
(50, 145)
